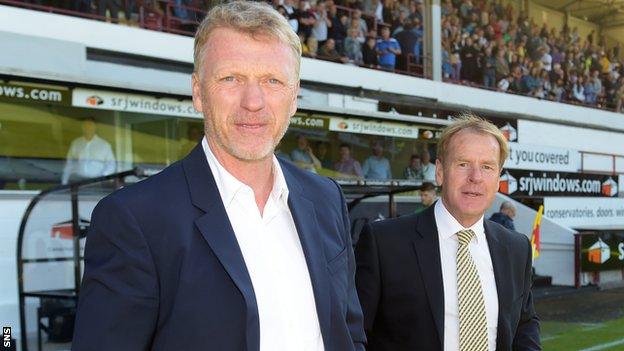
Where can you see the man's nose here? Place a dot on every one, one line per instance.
(253, 97)
(476, 174)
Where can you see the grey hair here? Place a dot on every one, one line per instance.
(507, 205)
(253, 18)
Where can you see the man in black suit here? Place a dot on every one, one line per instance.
(446, 279)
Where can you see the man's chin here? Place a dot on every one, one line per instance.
(252, 155)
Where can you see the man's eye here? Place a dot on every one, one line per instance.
(274, 81)
(228, 79)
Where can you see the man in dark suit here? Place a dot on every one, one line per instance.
(446, 279)
(228, 249)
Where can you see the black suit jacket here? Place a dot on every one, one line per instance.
(399, 281)
(163, 269)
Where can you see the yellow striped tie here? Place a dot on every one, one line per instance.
(473, 334)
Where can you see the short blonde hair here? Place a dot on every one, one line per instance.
(473, 123)
(253, 18)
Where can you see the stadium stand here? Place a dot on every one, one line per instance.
(484, 43)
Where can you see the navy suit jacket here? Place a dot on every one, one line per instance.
(163, 269)
(399, 280)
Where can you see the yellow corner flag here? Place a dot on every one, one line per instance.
(535, 240)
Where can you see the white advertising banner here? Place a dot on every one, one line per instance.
(107, 100)
(585, 212)
(352, 125)
(543, 158)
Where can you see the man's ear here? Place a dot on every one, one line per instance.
(197, 92)
(293, 103)
(439, 172)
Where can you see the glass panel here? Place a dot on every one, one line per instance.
(45, 145)
(355, 156)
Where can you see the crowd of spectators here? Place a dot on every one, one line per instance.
(367, 33)
(485, 43)
(375, 167)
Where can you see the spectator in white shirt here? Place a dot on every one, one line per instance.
(546, 58)
(428, 169)
(89, 156)
(322, 24)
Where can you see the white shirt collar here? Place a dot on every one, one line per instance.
(229, 186)
(448, 225)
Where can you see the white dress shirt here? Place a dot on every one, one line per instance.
(274, 259)
(479, 249)
(89, 159)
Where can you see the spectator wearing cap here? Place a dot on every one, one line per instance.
(387, 49)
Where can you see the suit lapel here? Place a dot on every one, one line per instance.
(500, 263)
(216, 229)
(427, 248)
(304, 216)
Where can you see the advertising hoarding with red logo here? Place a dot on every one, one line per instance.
(522, 183)
(383, 128)
(602, 251)
(116, 101)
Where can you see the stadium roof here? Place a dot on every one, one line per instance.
(605, 13)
